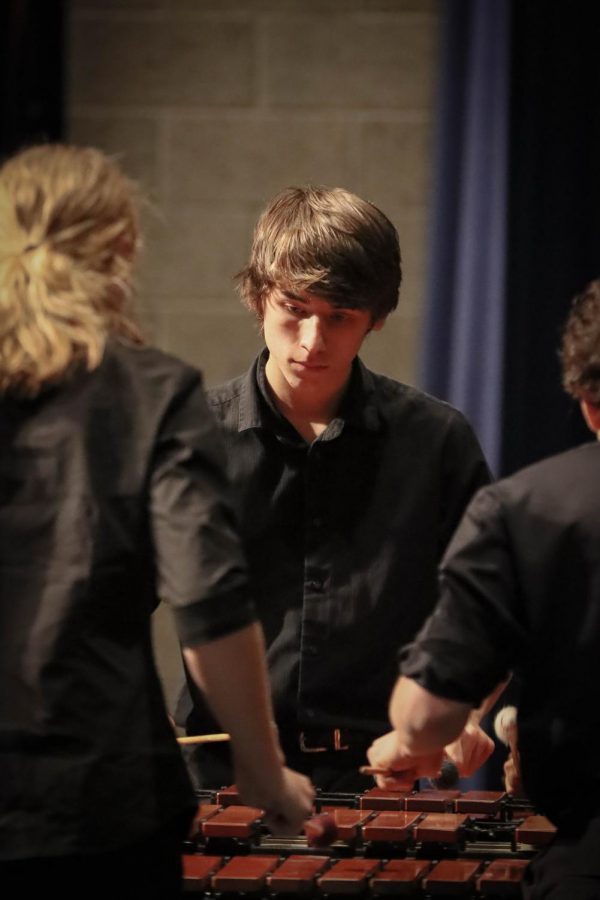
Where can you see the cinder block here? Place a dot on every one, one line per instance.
(120, 5)
(350, 61)
(396, 163)
(223, 346)
(122, 62)
(150, 324)
(394, 350)
(302, 6)
(350, 88)
(132, 139)
(412, 6)
(195, 251)
(412, 231)
(249, 160)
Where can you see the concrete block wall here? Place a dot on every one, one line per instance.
(215, 105)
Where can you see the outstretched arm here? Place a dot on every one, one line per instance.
(231, 671)
(423, 725)
(423, 722)
(428, 729)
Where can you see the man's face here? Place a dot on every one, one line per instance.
(311, 341)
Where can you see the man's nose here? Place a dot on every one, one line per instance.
(312, 336)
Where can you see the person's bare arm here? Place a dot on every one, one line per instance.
(232, 673)
(423, 722)
(473, 746)
(427, 728)
(423, 725)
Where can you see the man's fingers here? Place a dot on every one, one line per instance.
(470, 750)
(398, 781)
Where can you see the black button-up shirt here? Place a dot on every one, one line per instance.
(111, 493)
(520, 589)
(343, 537)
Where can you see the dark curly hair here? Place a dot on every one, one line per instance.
(580, 351)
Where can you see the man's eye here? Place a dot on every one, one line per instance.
(339, 317)
(295, 310)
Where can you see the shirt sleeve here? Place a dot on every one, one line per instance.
(476, 632)
(200, 564)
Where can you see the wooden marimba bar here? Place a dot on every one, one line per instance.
(419, 844)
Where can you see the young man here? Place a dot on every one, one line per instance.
(348, 484)
(520, 590)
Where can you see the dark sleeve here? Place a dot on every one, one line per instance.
(475, 634)
(200, 565)
(464, 472)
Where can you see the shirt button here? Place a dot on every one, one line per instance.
(314, 585)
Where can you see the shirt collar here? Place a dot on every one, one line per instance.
(251, 411)
(359, 406)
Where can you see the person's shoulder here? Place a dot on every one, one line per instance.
(236, 399)
(399, 400)
(226, 393)
(224, 401)
(566, 484)
(559, 474)
(140, 363)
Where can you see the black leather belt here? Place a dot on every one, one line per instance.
(322, 740)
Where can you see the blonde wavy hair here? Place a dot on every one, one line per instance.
(69, 228)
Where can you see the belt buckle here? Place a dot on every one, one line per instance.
(337, 743)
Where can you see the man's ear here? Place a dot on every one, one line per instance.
(591, 414)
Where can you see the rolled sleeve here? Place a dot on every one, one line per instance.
(200, 564)
(212, 618)
(475, 634)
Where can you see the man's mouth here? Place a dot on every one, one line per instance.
(310, 366)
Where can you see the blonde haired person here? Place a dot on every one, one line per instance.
(112, 495)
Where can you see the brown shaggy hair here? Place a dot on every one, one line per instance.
(324, 241)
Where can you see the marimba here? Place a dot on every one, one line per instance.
(422, 844)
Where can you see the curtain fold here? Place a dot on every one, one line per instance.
(464, 318)
(554, 226)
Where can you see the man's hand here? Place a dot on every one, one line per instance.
(386, 753)
(232, 672)
(424, 723)
(512, 775)
(470, 750)
(286, 797)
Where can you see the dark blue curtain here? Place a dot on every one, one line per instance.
(554, 222)
(515, 227)
(463, 358)
(516, 224)
(464, 324)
